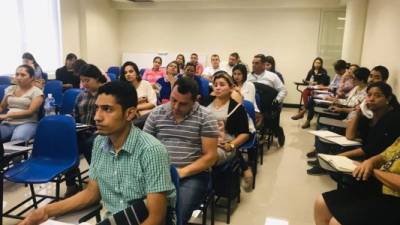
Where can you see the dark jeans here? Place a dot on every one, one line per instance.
(85, 144)
(310, 109)
(192, 191)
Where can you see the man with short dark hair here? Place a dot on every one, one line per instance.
(233, 60)
(127, 164)
(66, 73)
(189, 132)
(379, 73)
(214, 67)
(263, 76)
(194, 58)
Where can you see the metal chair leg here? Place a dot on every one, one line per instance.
(33, 196)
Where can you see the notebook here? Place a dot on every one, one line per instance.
(336, 163)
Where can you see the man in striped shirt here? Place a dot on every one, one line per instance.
(189, 132)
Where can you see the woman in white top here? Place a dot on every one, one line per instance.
(246, 88)
(23, 101)
(147, 98)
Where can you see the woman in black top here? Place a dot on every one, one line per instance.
(316, 76)
(233, 123)
(382, 129)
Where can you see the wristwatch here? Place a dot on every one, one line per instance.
(232, 145)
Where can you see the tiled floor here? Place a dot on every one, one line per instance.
(284, 192)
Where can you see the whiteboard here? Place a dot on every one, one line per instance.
(145, 60)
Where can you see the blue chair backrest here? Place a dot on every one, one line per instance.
(141, 72)
(55, 87)
(249, 107)
(69, 100)
(2, 89)
(175, 180)
(114, 69)
(55, 139)
(45, 76)
(5, 79)
(112, 76)
(205, 87)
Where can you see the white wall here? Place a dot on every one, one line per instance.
(290, 35)
(90, 29)
(382, 38)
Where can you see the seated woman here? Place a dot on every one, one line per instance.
(84, 111)
(147, 98)
(356, 95)
(165, 84)
(232, 122)
(366, 206)
(23, 102)
(180, 58)
(28, 59)
(377, 132)
(271, 67)
(340, 84)
(155, 73)
(246, 88)
(318, 78)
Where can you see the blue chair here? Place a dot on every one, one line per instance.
(45, 76)
(141, 72)
(114, 69)
(55, 151)
(55, 87)
(69, 100)
(112, 76)
(2, 89)
(175, 180)
(5, 79)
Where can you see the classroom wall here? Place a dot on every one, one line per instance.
(381, 40)
(90, 29)
(290, 35)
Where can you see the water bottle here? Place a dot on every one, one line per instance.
(49, 105)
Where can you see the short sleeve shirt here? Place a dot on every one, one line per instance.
(141, 167)
(20, 103)
(182, 140)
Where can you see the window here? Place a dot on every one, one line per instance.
(29, 26)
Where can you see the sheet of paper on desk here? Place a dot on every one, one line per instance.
(324, 133)
(55, 222)
(322, 101)
(343, 141)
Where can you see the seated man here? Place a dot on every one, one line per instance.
(215, 67)
(263, 76)
(189, 132)
(66, 73)
(127, 164)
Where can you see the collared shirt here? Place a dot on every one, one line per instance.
(85, 108)
(152, 75)
(140, 167)
(183, 139)
(270, 79)
(209, 71)
(355, 97)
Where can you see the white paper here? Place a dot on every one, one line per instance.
(55, 222)
(340, 163)
(343, 141)
(324, 133)
(323, 101)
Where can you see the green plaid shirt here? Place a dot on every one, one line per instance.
(142, 166)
